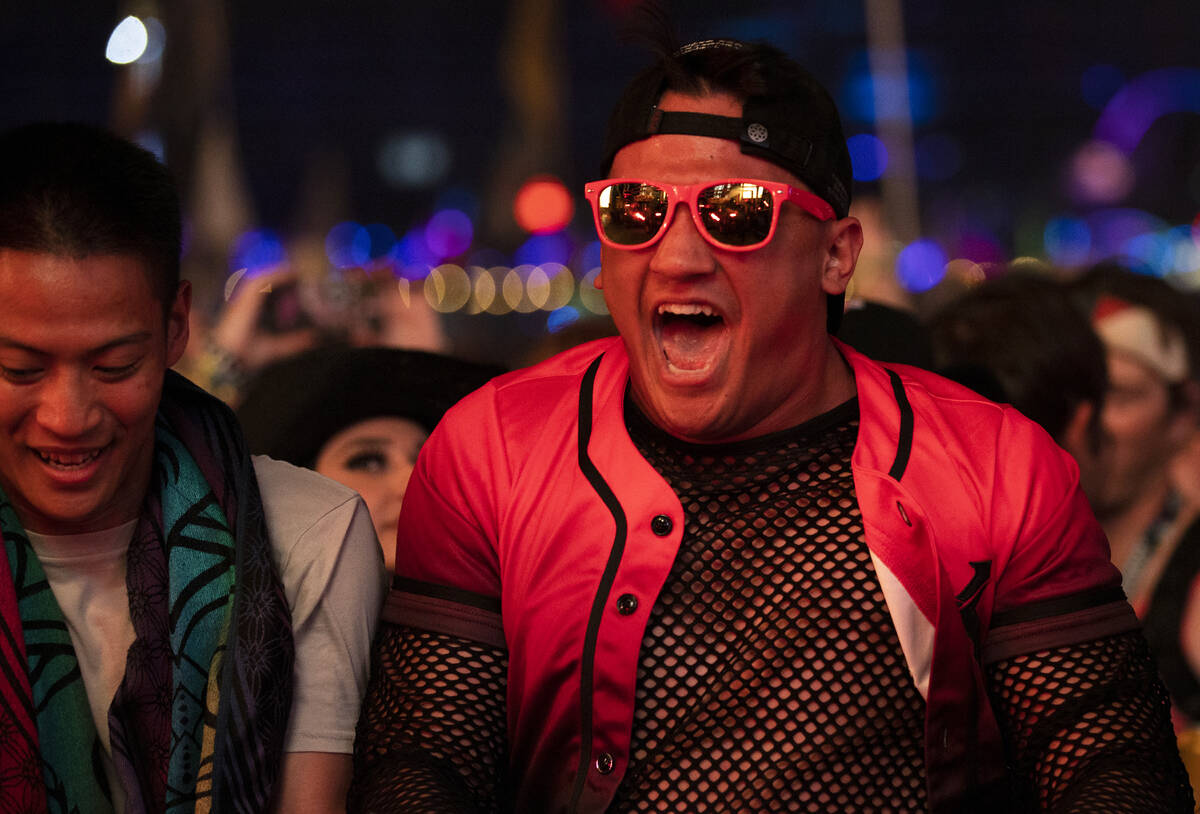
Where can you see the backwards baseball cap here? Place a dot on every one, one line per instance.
(1135, 331)
(789, 119)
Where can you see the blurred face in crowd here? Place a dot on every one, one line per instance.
(1142, 430)
(375, 458)
(725, 344)
(84, 347)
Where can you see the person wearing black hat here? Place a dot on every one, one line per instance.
(358, 416)
(724, 563)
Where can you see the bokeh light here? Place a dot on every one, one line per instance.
(127, 42)
(543, 205)
(414, 160)
(921, 265)
(348, 245)
(979, 247)
(381, 240)
(1112, 229)
(1068, 241)
(256, 250)
(1143, 100)
(515, 289)
(561, 318)
(591, 297)
(868, 156)
(549, 248)
(448, 288)
(587, 258)
(1100, 174)
(858, 97)
(449, 233)
(156, 41)
(560, 286)
(413, 256)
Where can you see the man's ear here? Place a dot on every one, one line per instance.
(1186, 417)
(177, 322)
(1077, 435)
(843, 243)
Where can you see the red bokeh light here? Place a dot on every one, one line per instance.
(543, 205)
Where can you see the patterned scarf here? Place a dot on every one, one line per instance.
(198, 721)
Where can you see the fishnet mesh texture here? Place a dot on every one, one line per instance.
(771, 676)
(432, 733)
(1088, 729)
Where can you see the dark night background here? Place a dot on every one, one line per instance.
(1005, 95)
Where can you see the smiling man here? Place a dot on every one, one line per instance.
(723, 562)
(181, 627)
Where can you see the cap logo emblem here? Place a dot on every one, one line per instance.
(756, 132)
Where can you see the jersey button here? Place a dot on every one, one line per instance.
(661, 525)
(605, 763)
(626, 604)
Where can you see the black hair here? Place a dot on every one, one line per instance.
(1023, 332)
(77, 191)
(787, 118)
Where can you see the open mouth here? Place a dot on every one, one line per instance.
(690, 335)
(68, 461)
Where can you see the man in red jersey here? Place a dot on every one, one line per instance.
(725, 563)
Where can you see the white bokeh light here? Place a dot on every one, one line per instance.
(127, 42)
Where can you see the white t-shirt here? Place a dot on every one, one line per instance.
(331, 566)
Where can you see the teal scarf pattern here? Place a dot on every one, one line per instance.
(198, 722)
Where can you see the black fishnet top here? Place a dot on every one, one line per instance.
(771, 677)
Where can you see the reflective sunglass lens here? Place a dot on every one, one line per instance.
(632, 213)
(736, 214)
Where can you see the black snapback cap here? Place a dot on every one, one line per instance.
(794, 123)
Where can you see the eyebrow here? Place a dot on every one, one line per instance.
(129, 339)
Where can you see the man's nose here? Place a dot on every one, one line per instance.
(68, 405)
(682, 250)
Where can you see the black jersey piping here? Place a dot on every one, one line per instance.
(457, 595)
(904, 442)
(587, 668)
(1082, 600)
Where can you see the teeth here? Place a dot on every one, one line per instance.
(69, 460)
(690, 309)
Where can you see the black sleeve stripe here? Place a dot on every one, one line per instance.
(1050, 632)
(440, 615)
(904, 442)
(455, 595)
(1059, 606)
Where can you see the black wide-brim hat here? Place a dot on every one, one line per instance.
(293, 407)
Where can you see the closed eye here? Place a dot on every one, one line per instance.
(116, 372)
(21, 375)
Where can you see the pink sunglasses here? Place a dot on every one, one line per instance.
(738, 214)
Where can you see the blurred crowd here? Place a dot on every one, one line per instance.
(351, 380)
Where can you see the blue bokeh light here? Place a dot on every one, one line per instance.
(413, 256)
(921, 265)
(381, 241)
(588, 257)
(1068, 241)
(348, 245)
(549, 248)
(857, 100)
(257, 250)
(868, 156)
(560, 318)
